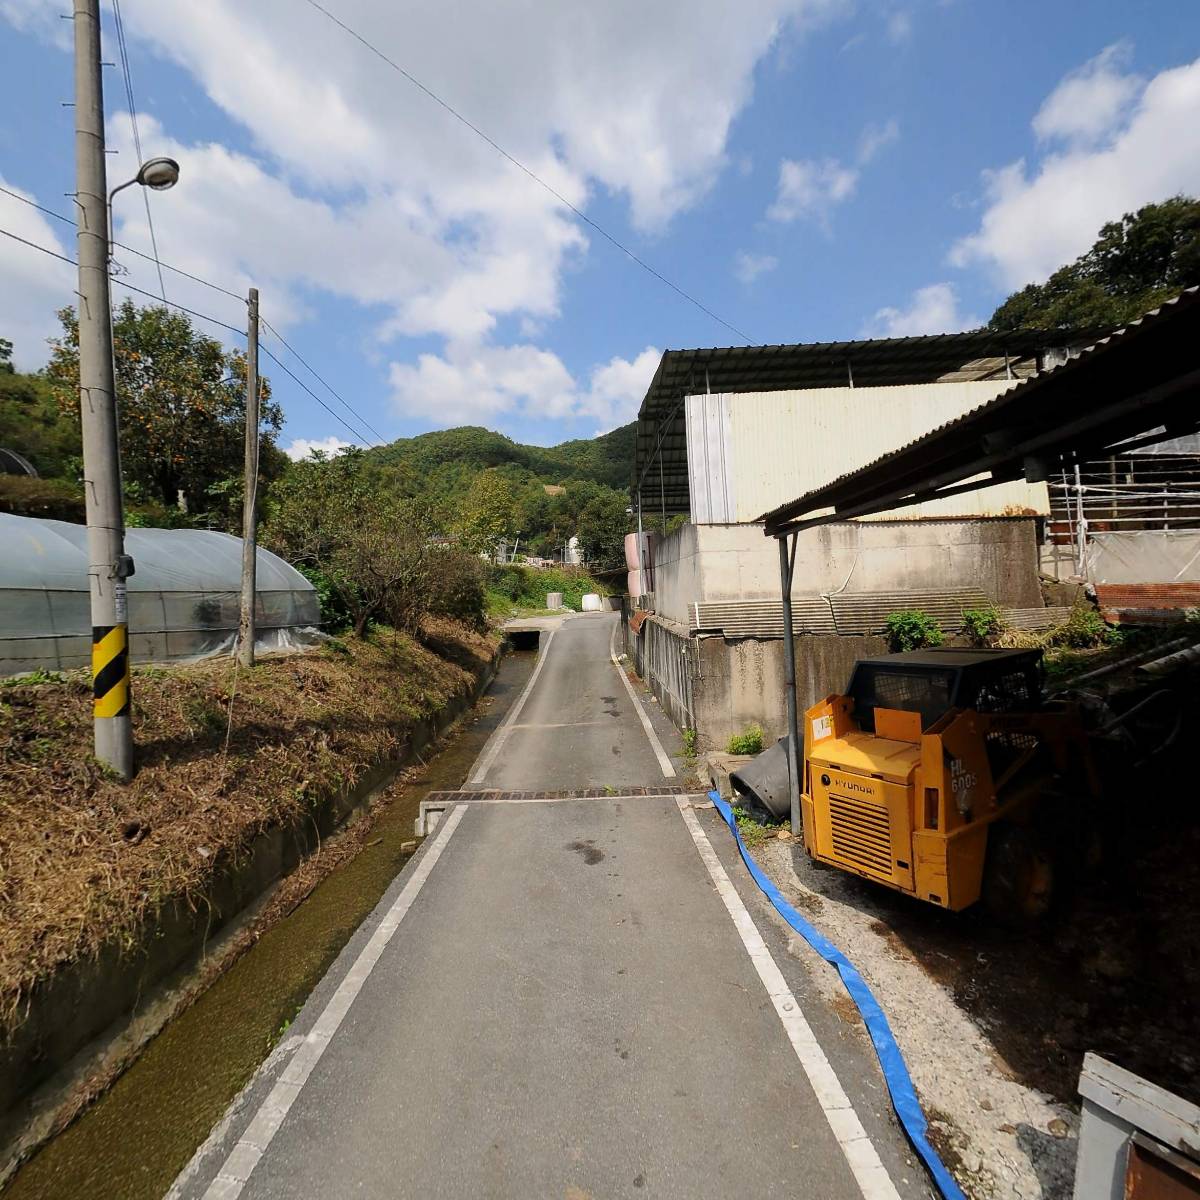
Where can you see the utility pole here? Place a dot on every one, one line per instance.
(245, 649)
(108, 564)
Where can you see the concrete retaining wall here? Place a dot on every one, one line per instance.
(740, 683)
(95, 997)
(718, 687)
(737, 562)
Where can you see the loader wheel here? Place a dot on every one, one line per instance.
(1018, 876)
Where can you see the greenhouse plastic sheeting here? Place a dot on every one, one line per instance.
(1144, 556)
(184, 596)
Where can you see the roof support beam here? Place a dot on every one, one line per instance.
(893, 483)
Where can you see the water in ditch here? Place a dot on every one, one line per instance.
(137, 1137)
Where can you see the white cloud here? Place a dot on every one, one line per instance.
(748, 267)
(1089, 102)
(875, 138)
(810, 189)
(356, 185)
(301, 448)
(35, 285)
(483, 383)
(589, 86)
(933, 309)
(1036, 219)
(615, 390)
(899, 26)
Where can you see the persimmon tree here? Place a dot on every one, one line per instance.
(181, 398)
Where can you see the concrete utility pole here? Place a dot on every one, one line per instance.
(245, 649)
(109, 565)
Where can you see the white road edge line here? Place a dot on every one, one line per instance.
(496, 743)
(861, 1155)
(252, 1145)
(664, 760)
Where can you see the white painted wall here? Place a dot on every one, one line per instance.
(750, 452)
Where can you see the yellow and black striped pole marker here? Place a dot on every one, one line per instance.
(110, 671)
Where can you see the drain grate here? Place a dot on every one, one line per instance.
(672, 789)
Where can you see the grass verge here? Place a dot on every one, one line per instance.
(222, 755)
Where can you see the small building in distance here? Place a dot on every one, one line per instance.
(725, 435)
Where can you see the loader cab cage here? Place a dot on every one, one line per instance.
(934, 681)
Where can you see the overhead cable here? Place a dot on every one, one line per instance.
(137, 140)
(359, 436)
(208, 283)
(299, 358)
(516, 162)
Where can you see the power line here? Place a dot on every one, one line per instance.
(137, 140)
(216, 287)
(129, 286)
(279, 337)
(516, 162)
(359, 436)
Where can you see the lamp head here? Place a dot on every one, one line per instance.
(158, 174)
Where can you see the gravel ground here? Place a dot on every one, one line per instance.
(1000, 1137)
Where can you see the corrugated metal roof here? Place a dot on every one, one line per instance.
(841, 612)
(971, 443)
(867, 612)
(947, 357)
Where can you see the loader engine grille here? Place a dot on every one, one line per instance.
(861, 833)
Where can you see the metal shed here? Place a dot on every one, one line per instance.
(660, 473)
(1137, 386)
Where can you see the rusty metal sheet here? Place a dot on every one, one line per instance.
(1156, 1172)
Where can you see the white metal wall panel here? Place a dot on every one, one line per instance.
(787, 443)
(710, 460)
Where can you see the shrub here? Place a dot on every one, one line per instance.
(1084, 628)
(335, 614)
(527, 587)
(982, 623)
(749, 741)
(911, 629)
(29, 496)
(456, 586)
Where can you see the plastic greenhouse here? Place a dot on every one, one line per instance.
(184, 596)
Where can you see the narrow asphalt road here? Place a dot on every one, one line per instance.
(579, 726)
(566, 998)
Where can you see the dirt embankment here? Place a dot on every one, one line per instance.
(223, 755)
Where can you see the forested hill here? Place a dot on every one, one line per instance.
(607, 459)
(547, 494)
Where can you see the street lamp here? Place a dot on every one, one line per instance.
(158, 174)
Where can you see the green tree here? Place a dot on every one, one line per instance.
(603, 524)
(1134, 265)
(486, 514)
(370, 549)
(6, 364)
(32, 423)
(181, 398)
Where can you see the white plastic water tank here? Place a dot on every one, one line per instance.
(591, 602)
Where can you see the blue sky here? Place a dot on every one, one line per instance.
(808, 169)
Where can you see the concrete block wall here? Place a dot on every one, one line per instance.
(736, 562)
(719, 687)
(677, 573)
(740, 683)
